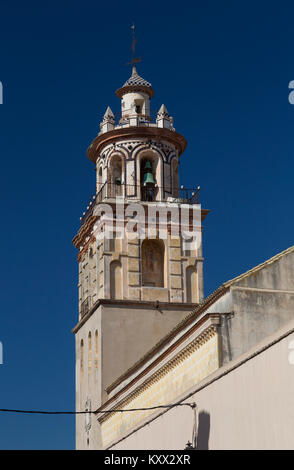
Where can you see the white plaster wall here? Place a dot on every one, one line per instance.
(90, 386)
(251, 407)
(129, 100)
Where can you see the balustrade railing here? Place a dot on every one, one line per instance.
(142, 193)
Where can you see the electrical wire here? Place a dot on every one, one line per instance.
(6, 410)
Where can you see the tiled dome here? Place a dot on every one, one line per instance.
(135, 81)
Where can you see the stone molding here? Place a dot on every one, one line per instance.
(205, 334)
(98, 144)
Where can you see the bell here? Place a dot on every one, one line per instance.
(147, 166)
(148, 179)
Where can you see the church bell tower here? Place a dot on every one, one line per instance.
(133, 287)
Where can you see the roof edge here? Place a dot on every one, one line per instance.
(167, 338)
(260, 266)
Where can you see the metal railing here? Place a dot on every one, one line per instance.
(107, 191)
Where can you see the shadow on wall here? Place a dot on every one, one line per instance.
(203, 431)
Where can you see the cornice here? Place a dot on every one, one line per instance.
(84, 231)
(188, 320)
(123, 303)
(123, 397)
(115, 135)
(133, 88)
(87, 227)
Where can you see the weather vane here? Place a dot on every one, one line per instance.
(134, 60)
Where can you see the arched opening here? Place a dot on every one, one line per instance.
(89, 353)
(115, 176)
(153, 263)
(139, 106)
(115, 280)
(82, 361)
(150, 177)
(100, 179)
(191, 284)
(96, 350)
(175, 178)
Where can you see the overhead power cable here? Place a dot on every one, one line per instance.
(43, 412)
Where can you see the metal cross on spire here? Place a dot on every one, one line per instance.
(134, 60)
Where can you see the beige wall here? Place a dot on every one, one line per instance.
(195, 362)
(125, 334)
(96, 276)
(246, 406)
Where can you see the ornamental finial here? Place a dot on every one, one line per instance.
(134, 60)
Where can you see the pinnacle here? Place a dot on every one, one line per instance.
(163, 110)
(108, 113)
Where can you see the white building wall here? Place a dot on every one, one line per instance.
(247, 404)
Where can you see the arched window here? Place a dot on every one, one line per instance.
(153, 263)
(82, 361)
(150, 177)
(115, 280)
(96, 350)
(89, 353)
(115, 176)
(191, 284)
(100, 180)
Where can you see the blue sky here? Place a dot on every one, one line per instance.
(221, 68)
